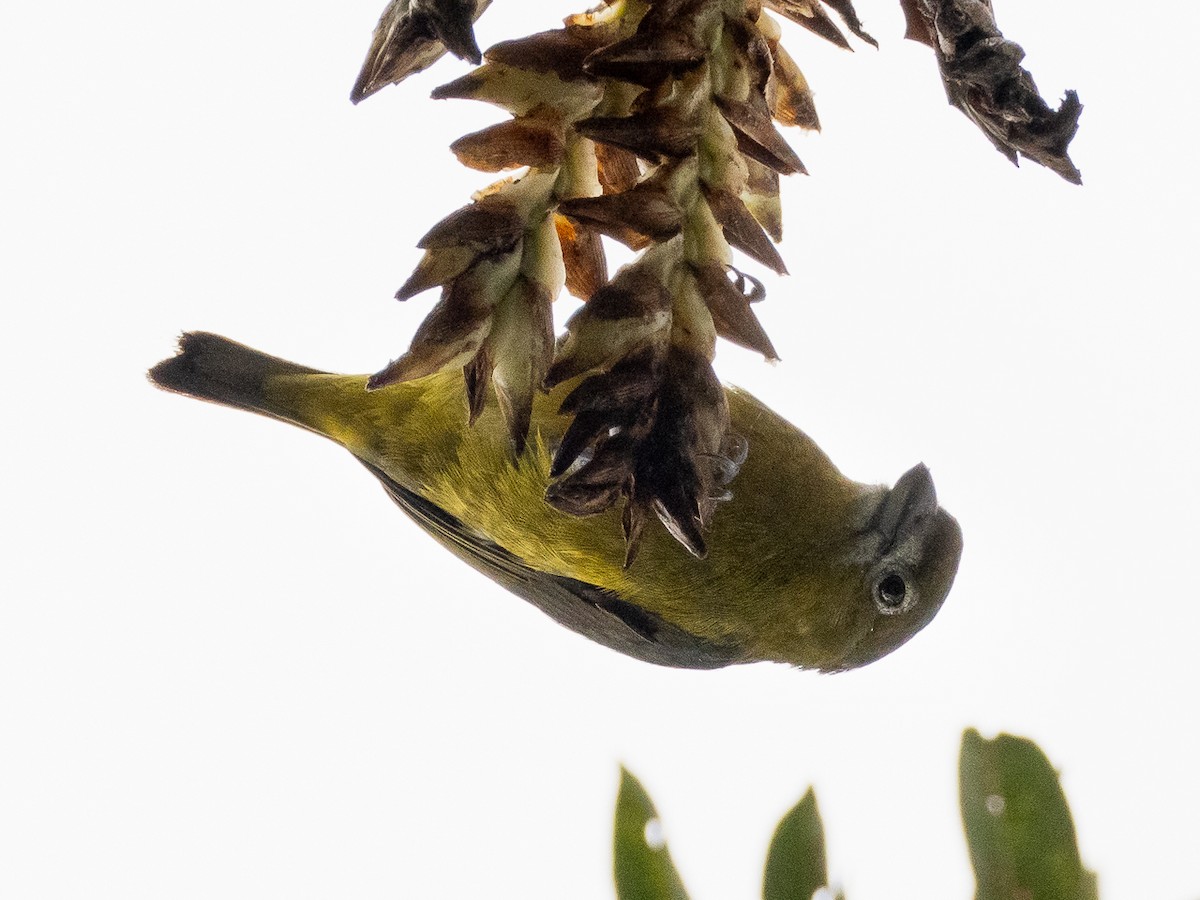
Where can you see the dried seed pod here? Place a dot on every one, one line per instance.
(730, 307)
(630, 313)
(757, 137)
(616, 168)
(742, 230)
(643, 215)
(412, 36)
(788, 94)
(521, 91)
(656, 134)
(751, 52)
(586, 269)
(761, 196)
(437, 267)
(520, 345)
(451, 21)
(671, 475)
(542, 259)
(456, 327)
(523, 141)
(618, 402)
(491, 224)
(647, 58)
(450, 335)
(595, 463)
(562, 51)
(654, 423)
(598, 484)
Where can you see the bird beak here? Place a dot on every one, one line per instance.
(910, 502)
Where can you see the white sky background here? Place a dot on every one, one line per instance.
(228, 665)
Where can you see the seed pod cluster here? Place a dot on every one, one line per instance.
(651, 123)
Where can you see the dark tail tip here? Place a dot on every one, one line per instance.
(211, 367)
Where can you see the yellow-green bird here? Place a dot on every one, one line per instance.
(805, 566)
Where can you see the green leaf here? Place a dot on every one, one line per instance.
(642, 866)
(1019, 828)
(796, 860)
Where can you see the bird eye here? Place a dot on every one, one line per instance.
(890, 592)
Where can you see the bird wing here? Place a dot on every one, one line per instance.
(595, 612)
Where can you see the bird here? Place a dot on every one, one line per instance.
(805, 566)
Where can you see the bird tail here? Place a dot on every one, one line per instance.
(214, 368)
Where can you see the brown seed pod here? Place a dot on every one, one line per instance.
(758, 138)
(655, 134)
(411, 37)
(643, 215)
(647, 59)
(788, 94)
(730, 307)
(562, 51)
(523, 141)
(583, 257)
(742, 230)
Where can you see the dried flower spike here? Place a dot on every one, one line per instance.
(652, 122)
